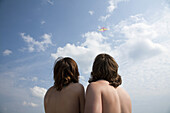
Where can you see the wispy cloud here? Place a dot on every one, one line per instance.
(38, 91)
(43, 22)
(136, 27)
(110, 8)
(50, 2)
(113, 5)
(22, 78)
(29, 104)
(7, 52)
(34, 79)
(34, 45)
(91, 12)
(104, 18)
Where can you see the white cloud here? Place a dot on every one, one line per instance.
(140, 49)
(144, 53)
(7, 52)
(43, 22)
(136, 27)
(141, 30)
(143, 38)
(38, 91)
(22, 78)
(141, 26)
(37, 45)
(148, 75)
(50, 2)
(113, 5)
(91, 12)
(85, 53)
(29, 104)
(104, 18)
(34, 79)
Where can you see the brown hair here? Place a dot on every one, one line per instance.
(65, 72)
(105, 68)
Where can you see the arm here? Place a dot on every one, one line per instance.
(82, 99)
(93, 100)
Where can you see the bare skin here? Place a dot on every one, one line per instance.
(104, 98)
(70, 99)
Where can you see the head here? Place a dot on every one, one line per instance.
(105, 68)
(65, 72)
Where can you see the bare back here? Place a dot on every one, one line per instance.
(104, 98)
(69, 100)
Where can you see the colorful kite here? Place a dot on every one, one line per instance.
(103, 29)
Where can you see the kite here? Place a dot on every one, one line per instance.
(103, 29)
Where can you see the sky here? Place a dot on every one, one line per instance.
(33, 33)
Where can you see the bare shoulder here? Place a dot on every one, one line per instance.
(49, 90)
(48, 94)
(78, 86)
(94, 87)
(122, 91)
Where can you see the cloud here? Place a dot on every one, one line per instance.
(50, 2)
(7, 52)
(34, 79)
(139, 26)
(144, 51)
(104, 18)
(29, 104)
(91, 12)
(112, 6)
(143, 38)
(43, 22)
(136, 27)
(85, 52)
(141, 30)
(139, 49)
(149, 74)
(38, 91)
(22, 78)
(34, 45)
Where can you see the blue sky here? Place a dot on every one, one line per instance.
(34, 33)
